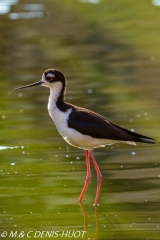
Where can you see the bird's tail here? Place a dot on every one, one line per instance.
(135, 137)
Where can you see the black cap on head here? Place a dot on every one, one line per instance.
(53, 75)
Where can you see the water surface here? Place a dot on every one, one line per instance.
(109, 52)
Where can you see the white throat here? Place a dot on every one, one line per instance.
(54, 94)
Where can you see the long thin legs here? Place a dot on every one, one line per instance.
(89, 176)
(99, 177)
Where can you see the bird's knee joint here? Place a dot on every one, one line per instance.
(99, 178)
(88, 178)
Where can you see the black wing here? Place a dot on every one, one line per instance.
(97, 126)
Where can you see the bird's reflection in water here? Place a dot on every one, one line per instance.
(86, 222)
(109, 221)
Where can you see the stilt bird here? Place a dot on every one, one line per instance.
(81, 127)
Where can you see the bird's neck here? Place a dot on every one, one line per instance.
(56, 99)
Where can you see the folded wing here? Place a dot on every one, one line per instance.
(97, 126)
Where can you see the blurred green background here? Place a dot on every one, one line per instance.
(109, 51)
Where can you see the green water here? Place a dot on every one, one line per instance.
(110, 54)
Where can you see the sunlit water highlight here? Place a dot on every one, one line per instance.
(108, 72)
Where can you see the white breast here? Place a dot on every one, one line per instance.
(71, 135)
(60, 119)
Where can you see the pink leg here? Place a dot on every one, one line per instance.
(99, 177)
(88, 177)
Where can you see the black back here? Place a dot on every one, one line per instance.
(97, 126)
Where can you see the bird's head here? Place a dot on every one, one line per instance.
(49, 78)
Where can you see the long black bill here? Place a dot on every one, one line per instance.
(30, 85)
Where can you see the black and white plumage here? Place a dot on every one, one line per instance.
(81, 127)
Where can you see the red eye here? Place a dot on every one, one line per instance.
(49, 78)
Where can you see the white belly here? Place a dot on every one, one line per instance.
(72, 136)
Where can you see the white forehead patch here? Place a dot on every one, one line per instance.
(50, 75)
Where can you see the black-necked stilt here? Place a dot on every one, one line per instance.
(81, 127)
